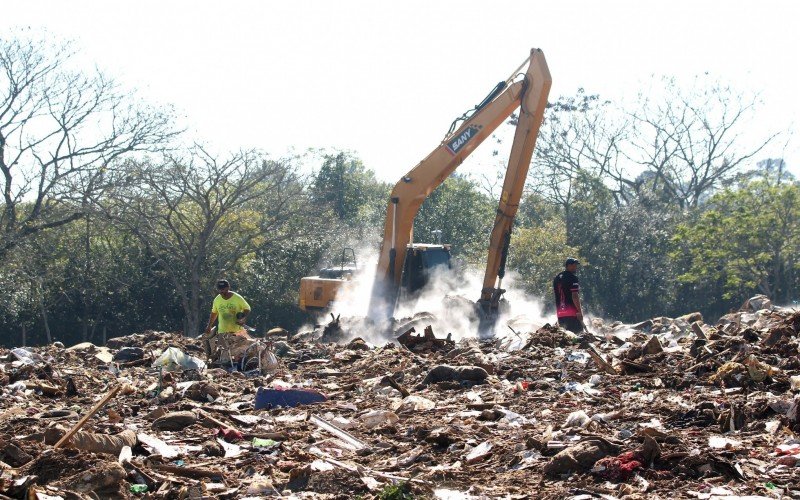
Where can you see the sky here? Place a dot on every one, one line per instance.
(384, 80)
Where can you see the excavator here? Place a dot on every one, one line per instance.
(405, 265)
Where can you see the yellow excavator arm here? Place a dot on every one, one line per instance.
(530, 95)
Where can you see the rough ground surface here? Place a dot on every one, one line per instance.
(668, 408)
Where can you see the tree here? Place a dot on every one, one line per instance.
(201, 216)
(356, 201)
(79, 281)
(679, 143)
(746, 239)
(580, 141)
(59, 131)
(350, 190)
(629, 276)
(537, 254)
(35, 274)
(626, 272)
(690, 139)
(463, 215)
(273, 275)
(770, 170)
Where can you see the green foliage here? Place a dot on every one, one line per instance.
(462, 213)
(535, 210)
(77, 281)
(628, 276)
(271, 279)
(353, 202)
(59, 131)
(350, 190)
(537, 254)
(93, 241)
(744, 241)
(399, 491)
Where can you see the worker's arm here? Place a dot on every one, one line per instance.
(241, 318)
(577, 301)
(211, 321)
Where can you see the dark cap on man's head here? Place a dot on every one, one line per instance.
(223, 284)
(571, 260)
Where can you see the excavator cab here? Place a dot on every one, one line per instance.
(421, 260)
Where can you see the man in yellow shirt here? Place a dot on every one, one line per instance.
(230, 308)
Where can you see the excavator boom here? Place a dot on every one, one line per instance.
(529, 94)
(532, 105)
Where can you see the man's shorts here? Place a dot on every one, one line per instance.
(571, 323)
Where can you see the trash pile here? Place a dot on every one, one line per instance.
(666, 408)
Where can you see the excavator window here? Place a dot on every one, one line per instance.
(419, 264)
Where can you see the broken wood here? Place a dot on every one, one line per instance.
(698, 330)
(15, 455)
(208, 419)
(773, 338)
(425, 342)
(488, 405)
(275, 436)
(600, 361)
(631, 366)
(46, 389)
(391, 382)
(103, 401)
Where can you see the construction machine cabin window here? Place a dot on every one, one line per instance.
(419, 265)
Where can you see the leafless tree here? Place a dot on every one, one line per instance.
(580, 148)
(680, 143)
(691, 140)
(60, 128)
(200, 215)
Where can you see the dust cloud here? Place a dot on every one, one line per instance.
(447, 304)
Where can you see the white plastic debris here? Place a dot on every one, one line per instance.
(723, 443)
(415, 403)
(576, 419)
(26, 356)
(173, 359)
(376, 418)
(479, 452)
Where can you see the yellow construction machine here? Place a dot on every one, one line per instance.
(407, 265)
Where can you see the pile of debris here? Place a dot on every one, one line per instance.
(670, 407)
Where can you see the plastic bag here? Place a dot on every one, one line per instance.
(173, 359)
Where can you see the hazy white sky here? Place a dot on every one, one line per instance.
(386, 79)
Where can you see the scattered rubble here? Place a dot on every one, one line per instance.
(666, 408)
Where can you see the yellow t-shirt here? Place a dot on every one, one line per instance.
(227, 310)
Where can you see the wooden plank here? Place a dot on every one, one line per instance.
(698, 330)
(105, 399)
(600, 361)
(191, 472)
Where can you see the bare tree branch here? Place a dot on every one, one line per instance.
(59, 129)
(200, 215)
